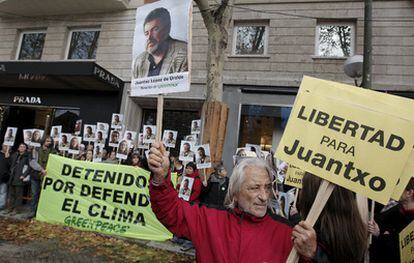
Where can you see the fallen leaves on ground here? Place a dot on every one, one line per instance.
(75, 241)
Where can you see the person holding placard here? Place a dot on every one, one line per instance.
(339, 228)
(163, 54)
(255, 235)
(387, 226)
(38, 164)
(19, 176)
(215, 189)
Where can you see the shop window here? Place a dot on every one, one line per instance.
(83, 44)
(250, 38)
(31, 45)
(263, 125)
(334, 39)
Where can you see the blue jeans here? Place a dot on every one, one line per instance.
(3, 195)
(35, 186)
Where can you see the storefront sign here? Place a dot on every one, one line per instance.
(348, 140)
(106, 76)
(30, 76)
(27, 100)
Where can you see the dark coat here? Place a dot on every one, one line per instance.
(19, 167)
(385, 247)
(214, 193)
(4, 168)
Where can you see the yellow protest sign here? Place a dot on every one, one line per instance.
(407, 244)
(107, 198)
(356, 145)
(294, 176)
(408, 172)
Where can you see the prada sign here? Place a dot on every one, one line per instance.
(26, 100)
(106, 76)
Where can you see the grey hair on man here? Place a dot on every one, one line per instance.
(238, 177)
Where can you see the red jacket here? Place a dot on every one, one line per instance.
(222, 235)
(197, 186)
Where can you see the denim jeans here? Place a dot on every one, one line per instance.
(35, 186)
(3, 195)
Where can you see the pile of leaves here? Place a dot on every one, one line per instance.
(74, 241)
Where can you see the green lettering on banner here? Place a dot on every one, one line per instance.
(111, 199)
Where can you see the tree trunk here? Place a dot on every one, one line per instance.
(217, 20)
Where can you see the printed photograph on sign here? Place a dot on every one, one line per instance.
(10, 136)
(149, 133)
(78, 127)
(130, 136)
(186, 154)
(160, 57)
(74, 144)
(89, 132)
(170, 138)
(122, 151)
(256, 149)
(203, 159)
(242, 153)
(192, 138)
(104, 127)
(27, 136)
(114, 138)
(55, 132)
(141, 144)
(99, 136)
(186, 187)
(64, 141)
(195, 126)
(37, 136)
(97, 152)
(116, 121)
(285, 200)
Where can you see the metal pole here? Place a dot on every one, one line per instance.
(366, 73)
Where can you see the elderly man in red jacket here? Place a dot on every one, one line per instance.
(246, 232)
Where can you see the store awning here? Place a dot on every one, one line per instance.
(58, 75)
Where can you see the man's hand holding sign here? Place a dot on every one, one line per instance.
(349, 136)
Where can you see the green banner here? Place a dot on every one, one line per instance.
(107, 198)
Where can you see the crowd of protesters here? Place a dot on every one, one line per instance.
(248, 196)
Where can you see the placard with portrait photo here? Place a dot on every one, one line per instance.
(149, 132)
(89, 132)
(140, 143)
(161, 48)
(37, 136)
(123, 148)
(104, 127)
(203, 159)
(97, 152)
(99, 136)
(114, 138)
(186, 152)
(130, 136)
(186, 187)
(10, 136)
(78, 127)
(169, 138)
(27, 136)
(64, 141)
(117, 121)
(55, 132)
(74, 144)
(195, 126)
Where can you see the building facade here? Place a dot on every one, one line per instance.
(273, 44)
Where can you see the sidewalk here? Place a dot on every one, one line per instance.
(166, 245)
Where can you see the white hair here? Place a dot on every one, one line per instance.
(237, 179)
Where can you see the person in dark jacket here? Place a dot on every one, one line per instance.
(215, 189)
(4, 174)
(387, 226)
(19, 176)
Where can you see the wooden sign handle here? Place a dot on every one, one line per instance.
(160, 109)
(324, 192)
